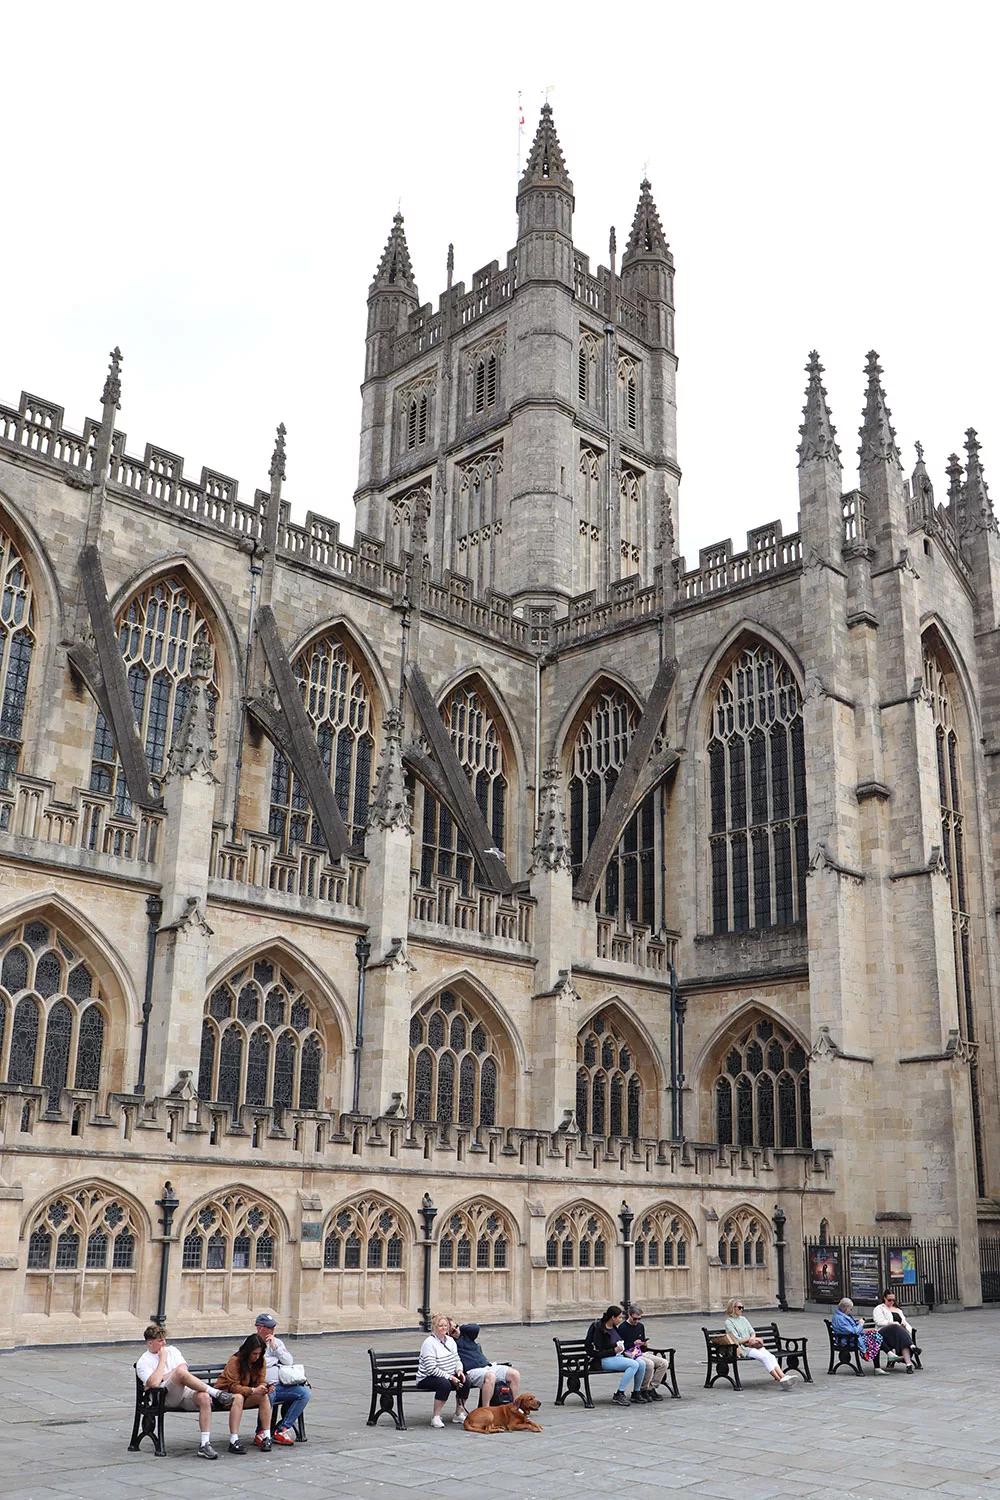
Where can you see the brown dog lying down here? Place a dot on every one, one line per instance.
(510, 1418)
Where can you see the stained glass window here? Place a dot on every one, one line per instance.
(758, 832)
(476, 740)
(23, 1042)
(192, 1251)
(455, 1053)
(232, 1022)
(338, 704)
(609, 1088)
(55, 1062)
(629, 889)
(755, 1083)
(89, 1047)
(157, 630)
(17, 642)
(39, 1250)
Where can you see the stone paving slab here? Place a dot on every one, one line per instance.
(842, 1438)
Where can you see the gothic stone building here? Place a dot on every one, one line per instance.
(665, 884)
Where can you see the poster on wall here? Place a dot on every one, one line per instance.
(901, 1265)
(863, 1269)
(824, 1273)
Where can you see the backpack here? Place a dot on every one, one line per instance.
(502, 1394)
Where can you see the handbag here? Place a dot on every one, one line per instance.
(725, 1340)
(292, 1375)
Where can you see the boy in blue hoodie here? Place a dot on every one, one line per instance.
(479, 1372)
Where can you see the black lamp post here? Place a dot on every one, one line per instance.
(681, 1007)
(626, 1217)
(362, 950)
(170, 1204)
(778, 1220)
(428, 1213)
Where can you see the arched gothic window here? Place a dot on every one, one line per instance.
(338, 704)
(587, 367)
(579, 1237)
(628, 394)
(588, 550)
(157, 630)
(757, 795)
(261, 1042)
(53, 1015)
(476, 1252)
(608, 1085)
(629, 890)
(17, 642)
(662, 1240)
(230, 1250)
(84, 1253)
(938, 686)
(485, 380)
(762, 1090)
(478, 518)
(455, 1067)
(475, 737)
(743, 1241)
(402, 512)
(366, 1256)
(631, 519)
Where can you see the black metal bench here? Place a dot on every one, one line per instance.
(723, 1359)
(392, 1374)
(845, 1350)
(151, 1405)
(576, 1366)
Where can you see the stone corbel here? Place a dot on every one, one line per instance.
(825, 1047)
(957, 1049)
(822, 859)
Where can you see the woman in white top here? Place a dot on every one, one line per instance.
(440, 1371)
(897, 1335)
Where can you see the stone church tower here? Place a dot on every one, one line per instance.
(441, 891)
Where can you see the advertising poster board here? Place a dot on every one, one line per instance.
(901, 1265)
(863, 1268)
(825, 1278)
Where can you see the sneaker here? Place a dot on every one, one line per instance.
(207, 1451)
(790, 1375)
(235, 1446)
(620, 1399)
(285, 1436)
(653, 1395)
(262, 1440)
(907, 1369)
(221, 1400)
(458, 1420)
(637, 1399)
(436, 1422)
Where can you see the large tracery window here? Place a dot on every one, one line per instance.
(476, 1256)
(579, 1238)
(229, 1254)
(454, 1063)
(663, 1240)
(762, 1090)
(475, 738)
(157, 631)
(608, 1086)
(629, 890)
(84, 1254)
(17, 641)
(338, 704)
(261, 1043)
(757, 795)
(53, 1015)
(366, 1255)
(954, 846)
(743, 1242)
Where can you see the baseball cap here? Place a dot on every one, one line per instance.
(264, 1320)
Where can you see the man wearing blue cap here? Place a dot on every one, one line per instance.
(293, 1398)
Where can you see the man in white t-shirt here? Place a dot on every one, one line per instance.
(164, 1364)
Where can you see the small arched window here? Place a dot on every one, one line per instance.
(485, 379)
(17, 642)
(628, 394)
(758, 834)
(157, 631)
(578, 1238)
(338, 703)
(587, 366)
(239, 1236)
(367, 1235)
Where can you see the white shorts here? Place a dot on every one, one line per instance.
(180, 1397)
(476, 1377)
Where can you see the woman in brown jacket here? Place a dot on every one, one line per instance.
(244, 1376)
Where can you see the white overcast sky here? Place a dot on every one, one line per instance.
(211, 186)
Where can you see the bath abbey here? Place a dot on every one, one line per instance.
(459, 917)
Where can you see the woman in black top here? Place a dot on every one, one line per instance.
(606, 1349)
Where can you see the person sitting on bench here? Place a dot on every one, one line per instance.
(440, 1370)
(897, 1335)
(845, 1324)
(479, 1372)
(750, 1346)
(245, 1375)
(633, 1331)
(164, 1364)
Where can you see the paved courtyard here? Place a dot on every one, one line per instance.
(934, 1432)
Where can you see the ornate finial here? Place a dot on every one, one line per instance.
(277, 469)
(546, 162)
(920, 483)
(391, 805)
(395, 269)
(817, 431)
(551, 848)
(451, 263)
(978, 505)
(112, 394)
(612, 241)
(918, 445)
(878, 436)
(646, 236)
(191, 748)
(954, 473)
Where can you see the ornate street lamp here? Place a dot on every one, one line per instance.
(778, 1220)
(428, 1213)
(362, 951)
(170, 1204)
(626, 1217)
